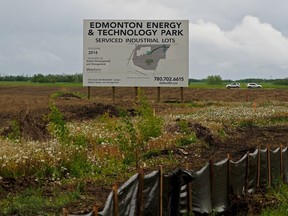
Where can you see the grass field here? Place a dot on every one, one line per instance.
(265, 85)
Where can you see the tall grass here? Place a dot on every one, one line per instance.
(280, 207)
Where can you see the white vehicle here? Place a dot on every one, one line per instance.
(233, 85)
(253, 85)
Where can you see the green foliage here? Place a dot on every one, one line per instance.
(34, 202)
(187, 140)
(78, 166)
(15, 133)
(183, 126)
(278, 119)
(40, 78)
(280, 208)
(128, 141)
(281, 81)
(79, 140)
(57, 124)
(151, 153)
(247, 123)
(189, 135)
(149, 124)
(221, 132)
(214, 80)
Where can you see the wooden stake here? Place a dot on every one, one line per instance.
(212, 182)
(115, 199)
(247, 173)
(140, 192)
(158, 94)
(258, 167)
(65, 212)
(89, 92)
(228, 177)
(136, 93)
(189, 194)
(95, 210)
(182, 94)
(281, 163)
(160, 191)
(269, 165)
(113, 93)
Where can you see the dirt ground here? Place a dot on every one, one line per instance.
(29, 104)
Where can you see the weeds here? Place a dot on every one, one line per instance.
(33, 202)
(15, 132)
(57, 124)
(149, 124)
(280, 206)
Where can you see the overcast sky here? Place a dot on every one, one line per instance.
(231, 38)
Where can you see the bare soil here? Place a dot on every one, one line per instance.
(28, 105)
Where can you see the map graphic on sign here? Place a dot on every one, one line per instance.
(147, 57)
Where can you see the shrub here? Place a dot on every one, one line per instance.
(149, 125)
(57, 124)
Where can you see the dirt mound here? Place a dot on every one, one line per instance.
(30, 125)
(69, 96)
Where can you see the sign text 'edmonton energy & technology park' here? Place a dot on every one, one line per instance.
(136, 53)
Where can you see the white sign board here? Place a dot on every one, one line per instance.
(136, 53)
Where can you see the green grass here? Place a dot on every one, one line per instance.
(265, 85)
(33, 201)
(57, 84)
(280, 208)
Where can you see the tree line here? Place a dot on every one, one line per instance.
(78, 78)
(40, 78)
(217, 80)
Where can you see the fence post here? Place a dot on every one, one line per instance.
(136, 89)
(228, 177)
(247, 173)
(212, 181)
(160, 191)
(140, 192)
(281, 163)
(158, 94)
(113, 93)
(189, 194)
(115, 199)
(258, 167)
(65, 212)
(89, 92)
(269, 165)
(182, 94)
(95, 210)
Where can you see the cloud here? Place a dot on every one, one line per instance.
(251, 47)
(36, 57)
(224, 38)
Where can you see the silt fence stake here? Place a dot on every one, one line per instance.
(189, 194)
(115, 199)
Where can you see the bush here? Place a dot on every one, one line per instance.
(214, 80)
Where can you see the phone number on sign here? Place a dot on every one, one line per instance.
(160, 79)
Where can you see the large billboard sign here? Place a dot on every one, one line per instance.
(136, 53)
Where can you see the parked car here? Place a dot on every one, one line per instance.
(233, 85)
(253, 85)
